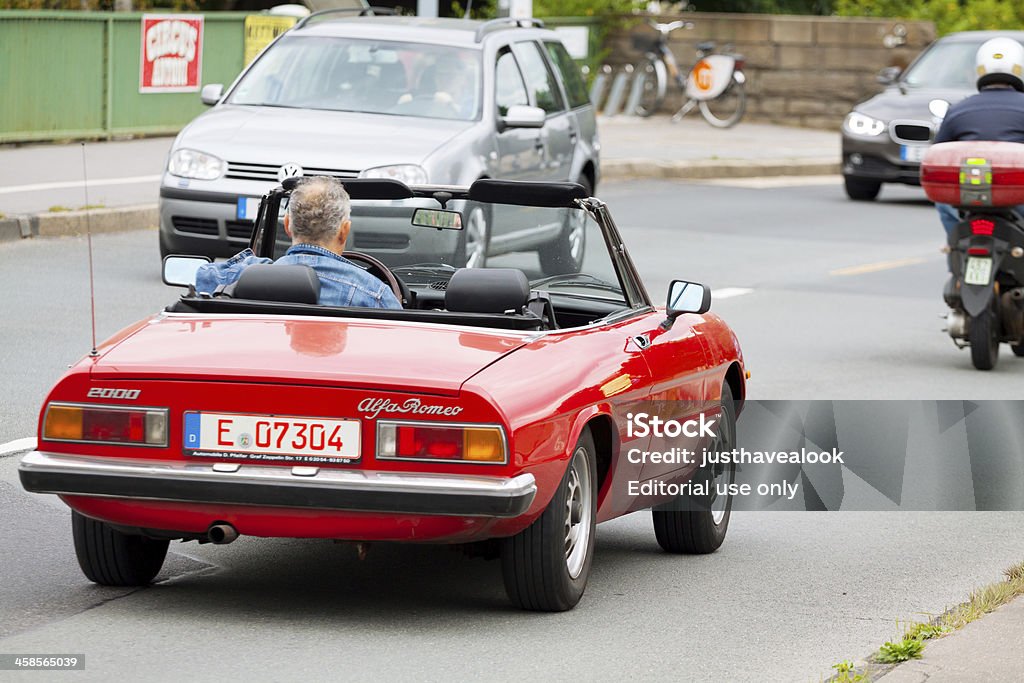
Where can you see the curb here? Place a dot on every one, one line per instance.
(73, 223)
(621, 169)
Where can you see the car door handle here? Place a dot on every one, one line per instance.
(573, 137)
(538, 144)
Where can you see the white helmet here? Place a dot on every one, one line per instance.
(1001, 60)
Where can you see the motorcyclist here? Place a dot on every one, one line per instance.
(996, 113)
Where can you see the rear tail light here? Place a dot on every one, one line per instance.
(105, 424)
(440, 441)
(980, 226)
(978, 251)
(740, 63)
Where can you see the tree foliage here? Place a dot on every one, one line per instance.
(948, 15)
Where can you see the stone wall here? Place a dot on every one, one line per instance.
(804, 71)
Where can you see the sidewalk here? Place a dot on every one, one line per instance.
(41, 186)
(989, 650)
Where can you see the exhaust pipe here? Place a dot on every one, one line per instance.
(221, 534)
(956, 324)
(1017, 296)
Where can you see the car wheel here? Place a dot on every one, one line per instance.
(698, 532)
(546, 565)
(1018, 349)
(565, 254)
(861, 190)
(475, 238)
(111, 558)
(983, 334)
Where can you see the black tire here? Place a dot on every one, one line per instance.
(538, 563)
(564, 256)
(698, 532)
(1018, 349)
(726, 110)
(861, 190)
(649, 101)
(983, 334)
(111, 558)
(475, 238)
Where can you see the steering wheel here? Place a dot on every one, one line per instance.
(380, 271)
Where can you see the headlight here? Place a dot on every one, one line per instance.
(188, 163)
(410, 174)
(105, 424)
(861, 124)
(440, 441)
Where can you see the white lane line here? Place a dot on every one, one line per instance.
(878, 266)
(39, 187)
(772, 182)
(26, 444)
(729, 292)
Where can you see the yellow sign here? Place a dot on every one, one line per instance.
(261, 29)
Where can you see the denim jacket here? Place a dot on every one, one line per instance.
(342, 283)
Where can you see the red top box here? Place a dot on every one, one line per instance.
(974, 173)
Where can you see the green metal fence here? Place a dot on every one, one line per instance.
(76, 74)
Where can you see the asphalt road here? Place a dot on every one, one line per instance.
(830, 299)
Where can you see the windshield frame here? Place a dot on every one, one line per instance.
(634, 295)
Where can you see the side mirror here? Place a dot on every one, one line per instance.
(686, 297)
(180, 271)
(888, 75)
(520, 116)
(211, 94)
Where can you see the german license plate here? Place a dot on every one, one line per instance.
(913, 153)
(270, 437)
(248, 208)
(978, 271)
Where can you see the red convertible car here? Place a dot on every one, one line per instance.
(495, 410)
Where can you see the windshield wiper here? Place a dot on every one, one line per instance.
(426, 269)
(575, 280)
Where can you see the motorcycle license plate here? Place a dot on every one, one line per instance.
(270, 437)
(978, 271)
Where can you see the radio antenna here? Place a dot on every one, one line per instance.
(88, 237)
(469, 8)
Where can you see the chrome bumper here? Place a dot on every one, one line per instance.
(275, 486)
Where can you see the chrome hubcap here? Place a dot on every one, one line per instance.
(578, 511)
(476, 239)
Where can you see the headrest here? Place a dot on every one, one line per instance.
(271, 282)
(487, 290)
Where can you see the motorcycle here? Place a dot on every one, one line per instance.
(985, 181)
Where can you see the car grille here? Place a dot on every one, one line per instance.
(911, 132)
(372, 240)
(196, 226)
(268, 172)
(239, 229)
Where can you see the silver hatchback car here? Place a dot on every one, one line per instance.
(425, 101)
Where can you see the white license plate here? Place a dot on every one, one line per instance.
(914, 153)
(270, 437)
(248, 208)
(978, 271)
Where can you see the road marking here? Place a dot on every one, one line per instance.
(878, 266)
(26, 444)
(773, 182)
(729, 292)
(39, 187)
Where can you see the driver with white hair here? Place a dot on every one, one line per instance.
(318, 223)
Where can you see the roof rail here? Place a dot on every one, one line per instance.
(505, 22)
(357, 11)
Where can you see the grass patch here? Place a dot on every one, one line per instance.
(57, 208)
(911, 646)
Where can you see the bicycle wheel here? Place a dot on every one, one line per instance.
(727, 109)
(652, 94)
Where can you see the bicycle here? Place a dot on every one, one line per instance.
(715, 83)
